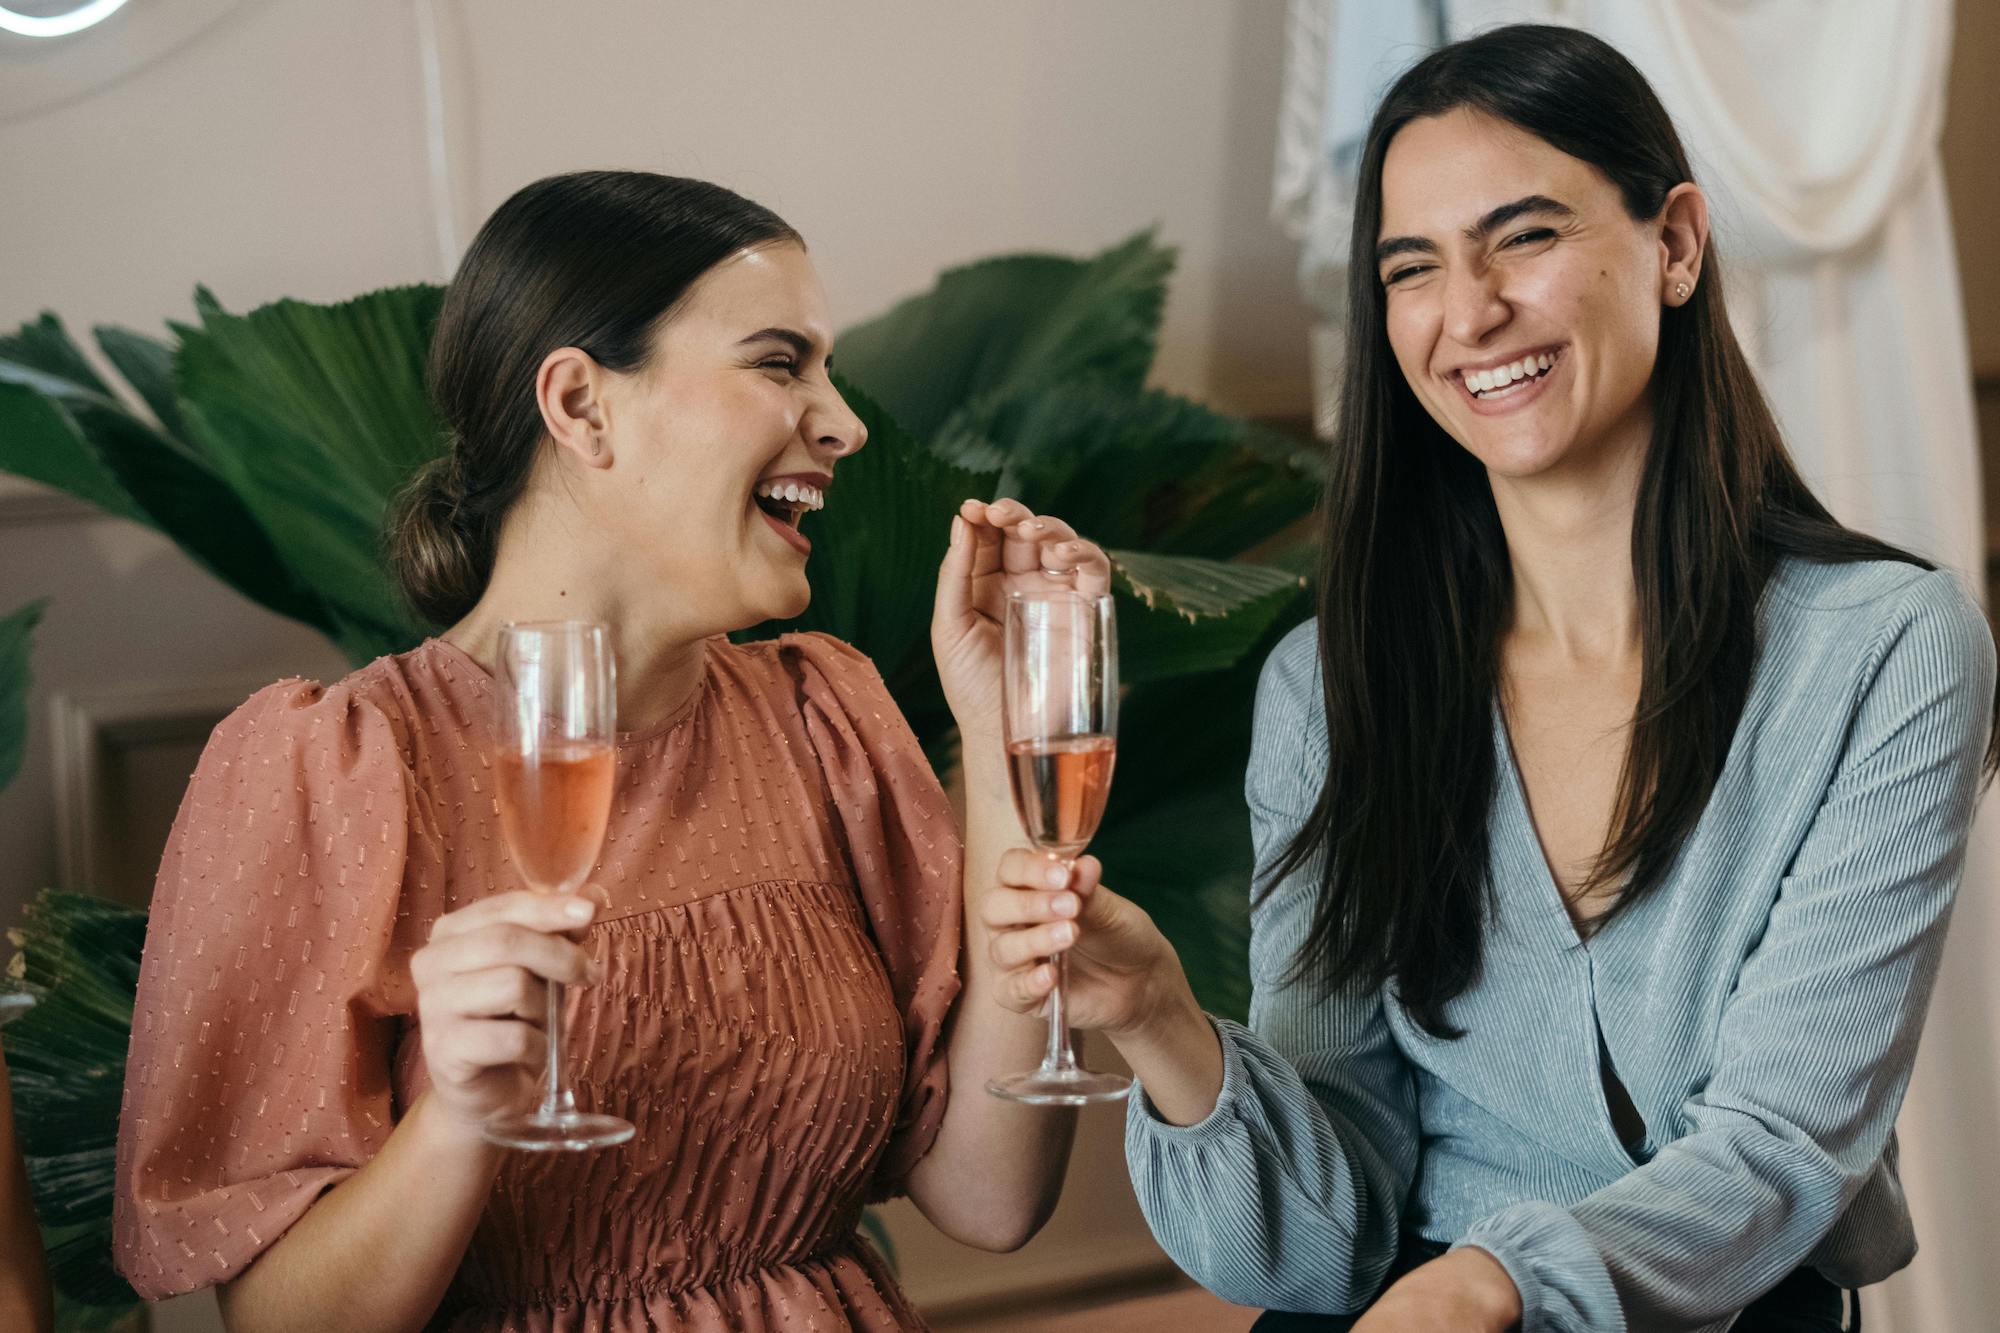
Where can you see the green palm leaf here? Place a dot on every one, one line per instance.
(1013, 323)
(66, 1062)
(16, 635)
(148, 366)
(1183, 615)
(45, 346)
(1138, 469)
(315, 416)
(347, 378)
(41, 440)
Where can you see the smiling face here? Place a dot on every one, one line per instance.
(722, 447)
(1523, 300)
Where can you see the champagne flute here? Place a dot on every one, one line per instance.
(1059, 714)
(555, 756)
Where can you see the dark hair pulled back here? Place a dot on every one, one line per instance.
(593, 260)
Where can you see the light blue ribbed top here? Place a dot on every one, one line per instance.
(1761, 1007)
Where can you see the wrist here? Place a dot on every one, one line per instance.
(1499, 1298)
(443, 1131)
(1168, 1016)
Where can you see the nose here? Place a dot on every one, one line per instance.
(832, 426)
(1473, 305)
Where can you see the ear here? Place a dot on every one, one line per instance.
(569, 388)
(1683, 242)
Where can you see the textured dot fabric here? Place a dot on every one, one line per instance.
(780, 958)
(1762, 1008)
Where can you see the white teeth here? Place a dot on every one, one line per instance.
(1502, 377)
(792, 493)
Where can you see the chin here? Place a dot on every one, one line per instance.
(787, 601)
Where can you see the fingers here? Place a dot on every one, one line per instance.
(1088, 565)
(1027, 990)
(537, 911)
(502, 944)
(1030, 543)
(955, 574)
(1033, 917)
(1024, 868)
(489, 1045)
(1026, 944)
(499, 992)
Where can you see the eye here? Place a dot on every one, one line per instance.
(787, 364)
(1533, 236)
(1395, 276)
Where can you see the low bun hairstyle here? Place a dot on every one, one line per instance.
(593, 260)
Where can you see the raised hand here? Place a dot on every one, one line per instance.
(996, 549)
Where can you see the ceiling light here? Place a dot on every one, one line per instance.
(59, 25)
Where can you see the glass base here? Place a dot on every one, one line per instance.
(565, 1131)
(1054, 1086)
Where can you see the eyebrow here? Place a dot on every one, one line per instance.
(1494, 219)
(792, 338)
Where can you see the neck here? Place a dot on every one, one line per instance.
(1569, 542)
(660, 651)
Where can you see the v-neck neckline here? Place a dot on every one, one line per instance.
(1528, 839)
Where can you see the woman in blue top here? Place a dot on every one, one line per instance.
(1608, 818)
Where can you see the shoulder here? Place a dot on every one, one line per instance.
(809, 664)
(357, 720)
(1288, 689)
(1288, 751)
(822, 677)
(1835, 622)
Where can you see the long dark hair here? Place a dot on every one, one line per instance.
(592, 259)
(1414, 584)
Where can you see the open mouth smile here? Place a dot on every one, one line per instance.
(1503, 388)
(783, 502)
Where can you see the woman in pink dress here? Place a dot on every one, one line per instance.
(782, 974)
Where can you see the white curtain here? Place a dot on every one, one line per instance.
(1814, 126)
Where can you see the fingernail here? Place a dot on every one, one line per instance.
(1064, 932)
(1065, 904)
(579, 909)
(1057, 875)
(1033, 525)
(1045, 975)
(957, 529)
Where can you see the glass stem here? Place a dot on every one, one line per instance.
(1060, 1056)
(556, 1096)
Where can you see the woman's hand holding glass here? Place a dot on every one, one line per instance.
(482, 997)
(1007, 548)
(1124, 975)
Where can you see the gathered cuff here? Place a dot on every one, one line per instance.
(1142, 1118)
(1564, 1285)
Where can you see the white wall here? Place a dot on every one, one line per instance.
(277, 148)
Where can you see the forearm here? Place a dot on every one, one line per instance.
(995, 1171)
(24, 1279)
(382, 1246)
